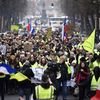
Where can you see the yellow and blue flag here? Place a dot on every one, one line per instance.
(19, 77)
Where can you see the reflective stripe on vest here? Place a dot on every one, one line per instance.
(95, 63)
(69, 68)
(58, 59)
(34, 65)
(2, 76)
(94, 83)
(20, 64)
(80, 56)
(44, 94)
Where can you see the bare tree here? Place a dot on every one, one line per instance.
(84, 10)
(10, 12)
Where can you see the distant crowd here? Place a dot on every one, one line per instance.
(64, 64)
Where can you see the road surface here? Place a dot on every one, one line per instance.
(15, 97)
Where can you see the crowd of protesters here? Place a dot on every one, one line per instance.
(66, 65)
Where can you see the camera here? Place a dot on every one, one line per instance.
(54, 67)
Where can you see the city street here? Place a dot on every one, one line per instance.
(49, 49)
(15, 97)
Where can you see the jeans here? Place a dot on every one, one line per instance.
(62, 85)
(25, 92)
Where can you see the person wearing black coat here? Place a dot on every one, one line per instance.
(63, 79)
(25, 87)
(2, 85)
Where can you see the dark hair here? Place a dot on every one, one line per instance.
(45, 83)
(96, 70)
(71, 59)
(83, 59)
(98, 56)
(44, 78)
(42, 61)
(86, 66)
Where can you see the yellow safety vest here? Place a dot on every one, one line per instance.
(94, 83)
(95, 63)
(2, 76)
(91, 66)
(80, 56)
(69, 68)
(58, 59)
(44, 67)
(44, 94)
(34, 65)
(20, 65)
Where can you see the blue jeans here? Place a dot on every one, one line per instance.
(25, 92)
(62, 85)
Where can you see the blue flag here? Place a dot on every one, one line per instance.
(7, 69)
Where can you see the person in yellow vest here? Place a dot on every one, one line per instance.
(33, 61)
(97, 62)
(95, 81)
(22, 59)
(43, 63)
(92, 58)
(69, 76)
(97, 96)
(44, 91)
(2, 78)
